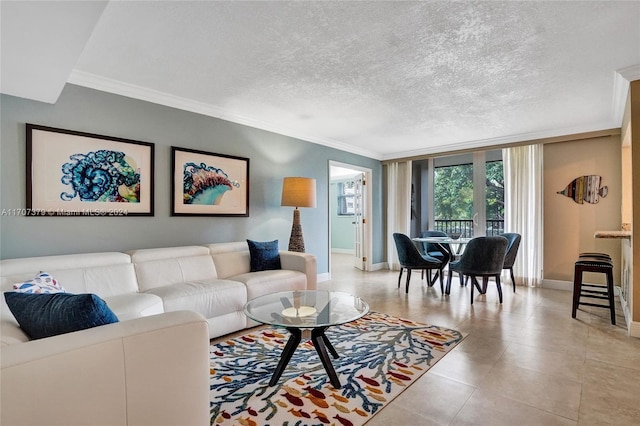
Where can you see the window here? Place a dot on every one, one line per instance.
(346, 192)
(460, 194)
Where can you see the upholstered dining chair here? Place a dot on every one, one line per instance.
(442, 252)
(513, 243)
(410, 258)
(483, 257)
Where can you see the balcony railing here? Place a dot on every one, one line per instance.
(464, 227)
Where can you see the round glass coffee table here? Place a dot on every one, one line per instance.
(306, 311)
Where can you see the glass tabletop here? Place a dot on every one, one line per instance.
(441, 240)
(306, 308)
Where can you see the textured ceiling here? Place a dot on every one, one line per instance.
(384, 79)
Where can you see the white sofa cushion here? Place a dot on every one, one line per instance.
(273, 281)
(160, 273)
(232, 264)
(10, 331)
(217, 248)
(130, 306)
(209, 298)
(146, 255)
(74, 272)
(105, 281)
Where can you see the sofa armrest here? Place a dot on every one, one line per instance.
(303, 262)
(147, 371)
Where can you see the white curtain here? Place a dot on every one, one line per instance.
(398, 207)
(523, 177)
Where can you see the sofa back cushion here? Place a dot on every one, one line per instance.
(231, 259)
(232, 264)
(105, 274)
(172, 265)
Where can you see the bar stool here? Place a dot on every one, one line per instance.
(598, 264)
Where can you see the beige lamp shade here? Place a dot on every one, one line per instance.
(299, 192)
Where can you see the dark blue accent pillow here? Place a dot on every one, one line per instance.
(264, 255)
(45, 315)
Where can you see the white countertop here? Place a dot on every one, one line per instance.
(613, 234)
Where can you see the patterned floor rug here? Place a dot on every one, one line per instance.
(380, 355)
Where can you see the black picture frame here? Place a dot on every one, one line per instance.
(208, 184)
(73, 173)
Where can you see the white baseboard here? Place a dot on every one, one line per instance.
(557, 285)
(379, 266)
(324, 277)
(634, 329)
(343, 251)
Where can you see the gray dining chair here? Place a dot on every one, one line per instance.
(513, 243)
(410, 258)
(442, 252)
(483, 257)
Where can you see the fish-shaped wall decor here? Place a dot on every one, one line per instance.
(585, 189)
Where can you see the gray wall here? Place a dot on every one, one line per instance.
(272, 156)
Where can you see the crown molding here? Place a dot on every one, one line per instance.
(630, 73)
(92, 81)
(548, 136)
(621, 80)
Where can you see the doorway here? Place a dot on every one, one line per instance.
(349, 207)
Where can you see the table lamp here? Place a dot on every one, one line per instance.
(298, 192)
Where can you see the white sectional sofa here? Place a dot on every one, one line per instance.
(152, 366)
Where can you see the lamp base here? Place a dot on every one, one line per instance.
(296, 241)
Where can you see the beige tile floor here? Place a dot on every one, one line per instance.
(524, 362)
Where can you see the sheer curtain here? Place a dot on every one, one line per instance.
(398, 207)
(523, 177)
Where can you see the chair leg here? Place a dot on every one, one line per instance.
(474, 283)
(400, 276)
(499, 287)
(485, 284)
(441, 281)
(612, 303)
(435, 277)
(449, 281)
(577, 288)
(408, 278)
(473, 280)
(513, 279)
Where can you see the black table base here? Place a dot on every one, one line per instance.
(320, 342)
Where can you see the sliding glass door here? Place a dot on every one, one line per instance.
(468, 194)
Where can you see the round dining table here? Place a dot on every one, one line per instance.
(445, 243)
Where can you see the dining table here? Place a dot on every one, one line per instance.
(445, 244)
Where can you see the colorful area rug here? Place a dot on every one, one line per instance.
(380, 355)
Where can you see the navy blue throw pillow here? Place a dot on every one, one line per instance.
(264, 255)
(45, 315)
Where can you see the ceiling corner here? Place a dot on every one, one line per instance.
(41, 43)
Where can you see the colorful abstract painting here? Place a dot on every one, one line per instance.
(210, 184)
(380, 356)
(72, 173)
(107, 176)
(205, 184)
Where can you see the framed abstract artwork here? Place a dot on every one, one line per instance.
(208, 184)
(72, 173)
